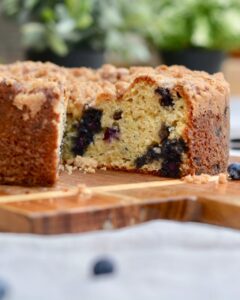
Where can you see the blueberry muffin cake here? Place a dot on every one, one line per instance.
(167, 121)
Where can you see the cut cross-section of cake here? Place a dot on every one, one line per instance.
(32, 122)
(168, 121)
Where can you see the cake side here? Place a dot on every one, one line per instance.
(208, 126)
(32, 117)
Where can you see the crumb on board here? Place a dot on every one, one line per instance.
(103, 168)
(83, 164)
(205, 178)
(84, 192)
(222, 178)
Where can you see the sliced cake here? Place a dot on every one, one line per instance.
(166, 121)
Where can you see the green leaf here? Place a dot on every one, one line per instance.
(47, 14)
(34, 36)
(84, 21)
(57, 44)
(201, 32)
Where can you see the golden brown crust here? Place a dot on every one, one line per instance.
(28, 146)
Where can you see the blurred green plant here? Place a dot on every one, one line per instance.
(61, 25)
(211, 24)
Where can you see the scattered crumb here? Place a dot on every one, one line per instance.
(61, 167)
(103, 168)
(84, 164)
(197, 179)
(222, 178)
(84, 192)
(205, 178)
(69, 169)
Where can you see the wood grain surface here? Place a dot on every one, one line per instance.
(114, 200)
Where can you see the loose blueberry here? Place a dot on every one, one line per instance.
(89, 125)
(234, 171)
(3, 289)
(117, 115)
(103, 266)
(111, 134)
(166, 98)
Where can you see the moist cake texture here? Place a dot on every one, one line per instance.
(167, 121)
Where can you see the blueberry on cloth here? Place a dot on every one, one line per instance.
(103, 266)
(3, 289)
(234, 171)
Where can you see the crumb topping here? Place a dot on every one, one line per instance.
(33, 102)
(86, 86)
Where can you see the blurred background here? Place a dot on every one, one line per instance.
(203, 35)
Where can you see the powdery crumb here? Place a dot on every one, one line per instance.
(84, 192)
(103, 168)
(205, 178)
(222, 178)
(197, 179)
(69, 169)
(61, 168)
(84, 164)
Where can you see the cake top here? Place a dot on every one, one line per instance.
(112, 82)
(86, 86)
(29, 93)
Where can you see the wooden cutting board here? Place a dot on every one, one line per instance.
(116, 199)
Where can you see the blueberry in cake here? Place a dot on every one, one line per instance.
(167, 121)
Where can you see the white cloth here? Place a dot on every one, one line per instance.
(157, 260)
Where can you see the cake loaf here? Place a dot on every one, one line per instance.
(167, 121)
(32, 111)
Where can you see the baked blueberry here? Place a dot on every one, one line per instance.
(166, 98)
(170, 169)
(152, 153)
(111, 133)
(103, 266)
(173, 149)
(164, 132)
(89, 125)
(117, 115)
(234, 171)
